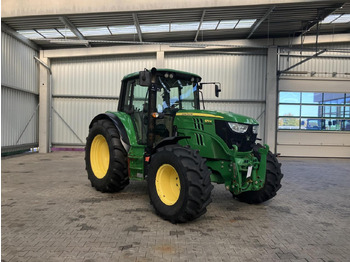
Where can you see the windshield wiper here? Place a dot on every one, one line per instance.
(160, 80)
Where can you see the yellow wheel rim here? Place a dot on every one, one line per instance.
(99, 156)
(168, 184)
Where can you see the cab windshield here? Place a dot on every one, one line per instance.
(175, 94)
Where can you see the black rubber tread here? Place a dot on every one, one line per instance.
(196, 187)
(272, 182)
(117, 177)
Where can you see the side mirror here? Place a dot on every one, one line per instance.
(217, 90)
(145, 78)
(303, 123)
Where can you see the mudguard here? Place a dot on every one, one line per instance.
(118, 124)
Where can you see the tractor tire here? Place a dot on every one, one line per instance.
(272, 182)
(106, 158)
(179, 183)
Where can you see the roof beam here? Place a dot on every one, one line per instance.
(257, 24)
(137, 25)
(199, 27)
(19, 37)
(67, 7)
(143, 48)
(321, 14)
(72, 27)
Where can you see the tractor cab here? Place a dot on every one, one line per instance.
(172, 91)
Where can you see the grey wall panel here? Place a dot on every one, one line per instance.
(96, 76)
(241, 76)
(18, 72)
(300, 84)
(71, 118)
(19, 119)
(314, 138)
(314, 151)
(313, 144)
(18, 67)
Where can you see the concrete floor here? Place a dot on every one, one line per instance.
(51, 213)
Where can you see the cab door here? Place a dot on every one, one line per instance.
(134, 103)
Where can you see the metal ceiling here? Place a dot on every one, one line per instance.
(272, 21)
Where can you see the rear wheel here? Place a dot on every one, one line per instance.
(106, 158)
(179, 183)
(272, 182)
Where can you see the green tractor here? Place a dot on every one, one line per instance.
(160, 134)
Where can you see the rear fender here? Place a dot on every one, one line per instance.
(118, 124)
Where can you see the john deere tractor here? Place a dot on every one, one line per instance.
(161, 134)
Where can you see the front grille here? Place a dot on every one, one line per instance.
(244, 142)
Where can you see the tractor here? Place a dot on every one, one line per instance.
(160, 134)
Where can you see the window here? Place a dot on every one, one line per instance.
(176, 94)
(314, 111)
(311, 98)
(289, 97)
(135, 97)
(336, 19)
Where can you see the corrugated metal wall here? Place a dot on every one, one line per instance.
(18, 67)
(83, 88)
(19, 95)
(242, 76)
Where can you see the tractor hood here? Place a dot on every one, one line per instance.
(217, 115)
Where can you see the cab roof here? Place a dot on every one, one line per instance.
(136, 74)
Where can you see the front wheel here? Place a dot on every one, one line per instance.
(272, 181)
(179, 183)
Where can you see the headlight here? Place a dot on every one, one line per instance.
(239, 128)
(255, 129)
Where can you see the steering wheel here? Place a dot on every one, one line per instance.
(175, 104)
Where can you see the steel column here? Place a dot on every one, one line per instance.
(271, 99)
(45, 105)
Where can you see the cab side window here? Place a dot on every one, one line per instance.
(135, 97)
